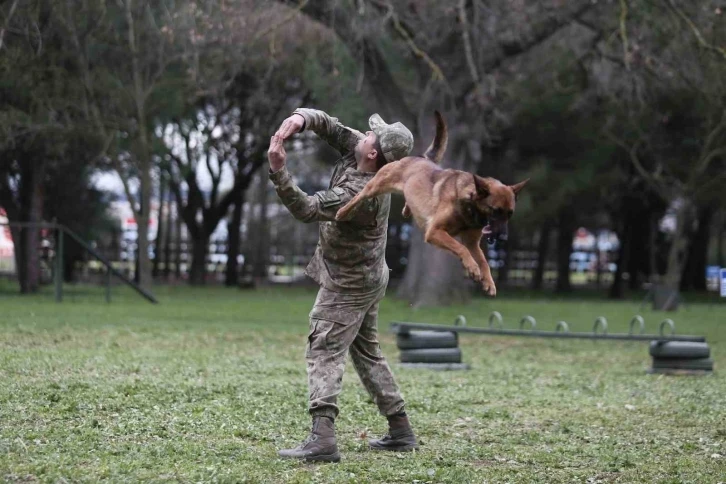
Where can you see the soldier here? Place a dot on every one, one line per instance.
(349, 266)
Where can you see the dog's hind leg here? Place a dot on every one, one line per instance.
(440, 238)
(472, 241)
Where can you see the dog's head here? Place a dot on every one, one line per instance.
(496, 202)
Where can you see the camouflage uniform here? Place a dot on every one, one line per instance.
(350, 267)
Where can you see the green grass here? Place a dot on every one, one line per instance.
(207, 385)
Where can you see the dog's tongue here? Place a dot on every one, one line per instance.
(488, 233)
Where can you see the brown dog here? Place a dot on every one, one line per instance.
(447, 203)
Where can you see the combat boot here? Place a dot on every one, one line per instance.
(400, 436)
(319, 446)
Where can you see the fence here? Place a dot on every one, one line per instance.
(288, 248)
(51, 258)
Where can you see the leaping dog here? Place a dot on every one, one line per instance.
(447, 203)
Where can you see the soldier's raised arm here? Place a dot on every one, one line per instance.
(337, 135)
(320, 207)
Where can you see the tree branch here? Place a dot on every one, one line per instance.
(467, 41)
(215, 182)
(282, 22)
(624, 32)
(632, 152)
(187, 170)
(127, 190)
(90, 104)
(546, 32)
(241, 182)
(437, 73)
(703, 166)
(389, 96)
(706, 156)
(191, 164)
(7, 22)
(713, 182)
(697, 33)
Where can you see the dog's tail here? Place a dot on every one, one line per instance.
(435, 151)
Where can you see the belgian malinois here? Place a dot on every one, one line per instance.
(447, 203)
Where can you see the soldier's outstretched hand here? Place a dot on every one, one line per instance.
(290, 126)
(276, 153)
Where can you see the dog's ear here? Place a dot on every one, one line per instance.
(516, 188)
(482, 187)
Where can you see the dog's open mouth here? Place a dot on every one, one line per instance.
(493, 236)
(489, 234)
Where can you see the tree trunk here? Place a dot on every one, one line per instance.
(167, 242)
(143, 227)
(178, 255)
(70, 257)
(161, 227)
(245, 243)
(639, 250)
(721, 229)
(542, 249)
(653, 272)
(137, 273)
(231, 276)
(262, 249)
(35, 215)
(679, 246)
(617, 288)
(434, 277)
(694, 272)
(504, 262)
(200, 248)
(18, 235)
(598, 266)
(564, 250)
(26, 240)
(143, 157)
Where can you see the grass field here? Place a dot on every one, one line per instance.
(207, 385)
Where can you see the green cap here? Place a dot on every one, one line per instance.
(395, 139)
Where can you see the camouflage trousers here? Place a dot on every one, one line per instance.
(341, 323)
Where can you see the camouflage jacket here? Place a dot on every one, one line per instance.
(350, 255)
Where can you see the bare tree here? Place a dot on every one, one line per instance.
(125, 53)
(668, 115)
(435, 40)
(205, 143)
(38, 116)
(245, 78)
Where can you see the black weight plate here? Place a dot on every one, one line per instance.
(679, 349)
(431, 355)
(427, 339)
(684, 364)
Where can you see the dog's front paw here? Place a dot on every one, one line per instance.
(473, 270)
(489, 288)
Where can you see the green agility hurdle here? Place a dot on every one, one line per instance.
(436, 345)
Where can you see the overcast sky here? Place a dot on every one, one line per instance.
(110, 181)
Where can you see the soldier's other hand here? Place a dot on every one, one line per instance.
(290, 126)
(276, 154)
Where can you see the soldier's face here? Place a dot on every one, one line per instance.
(366, 147)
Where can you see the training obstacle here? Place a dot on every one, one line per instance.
(436, 346)
(436, 350)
